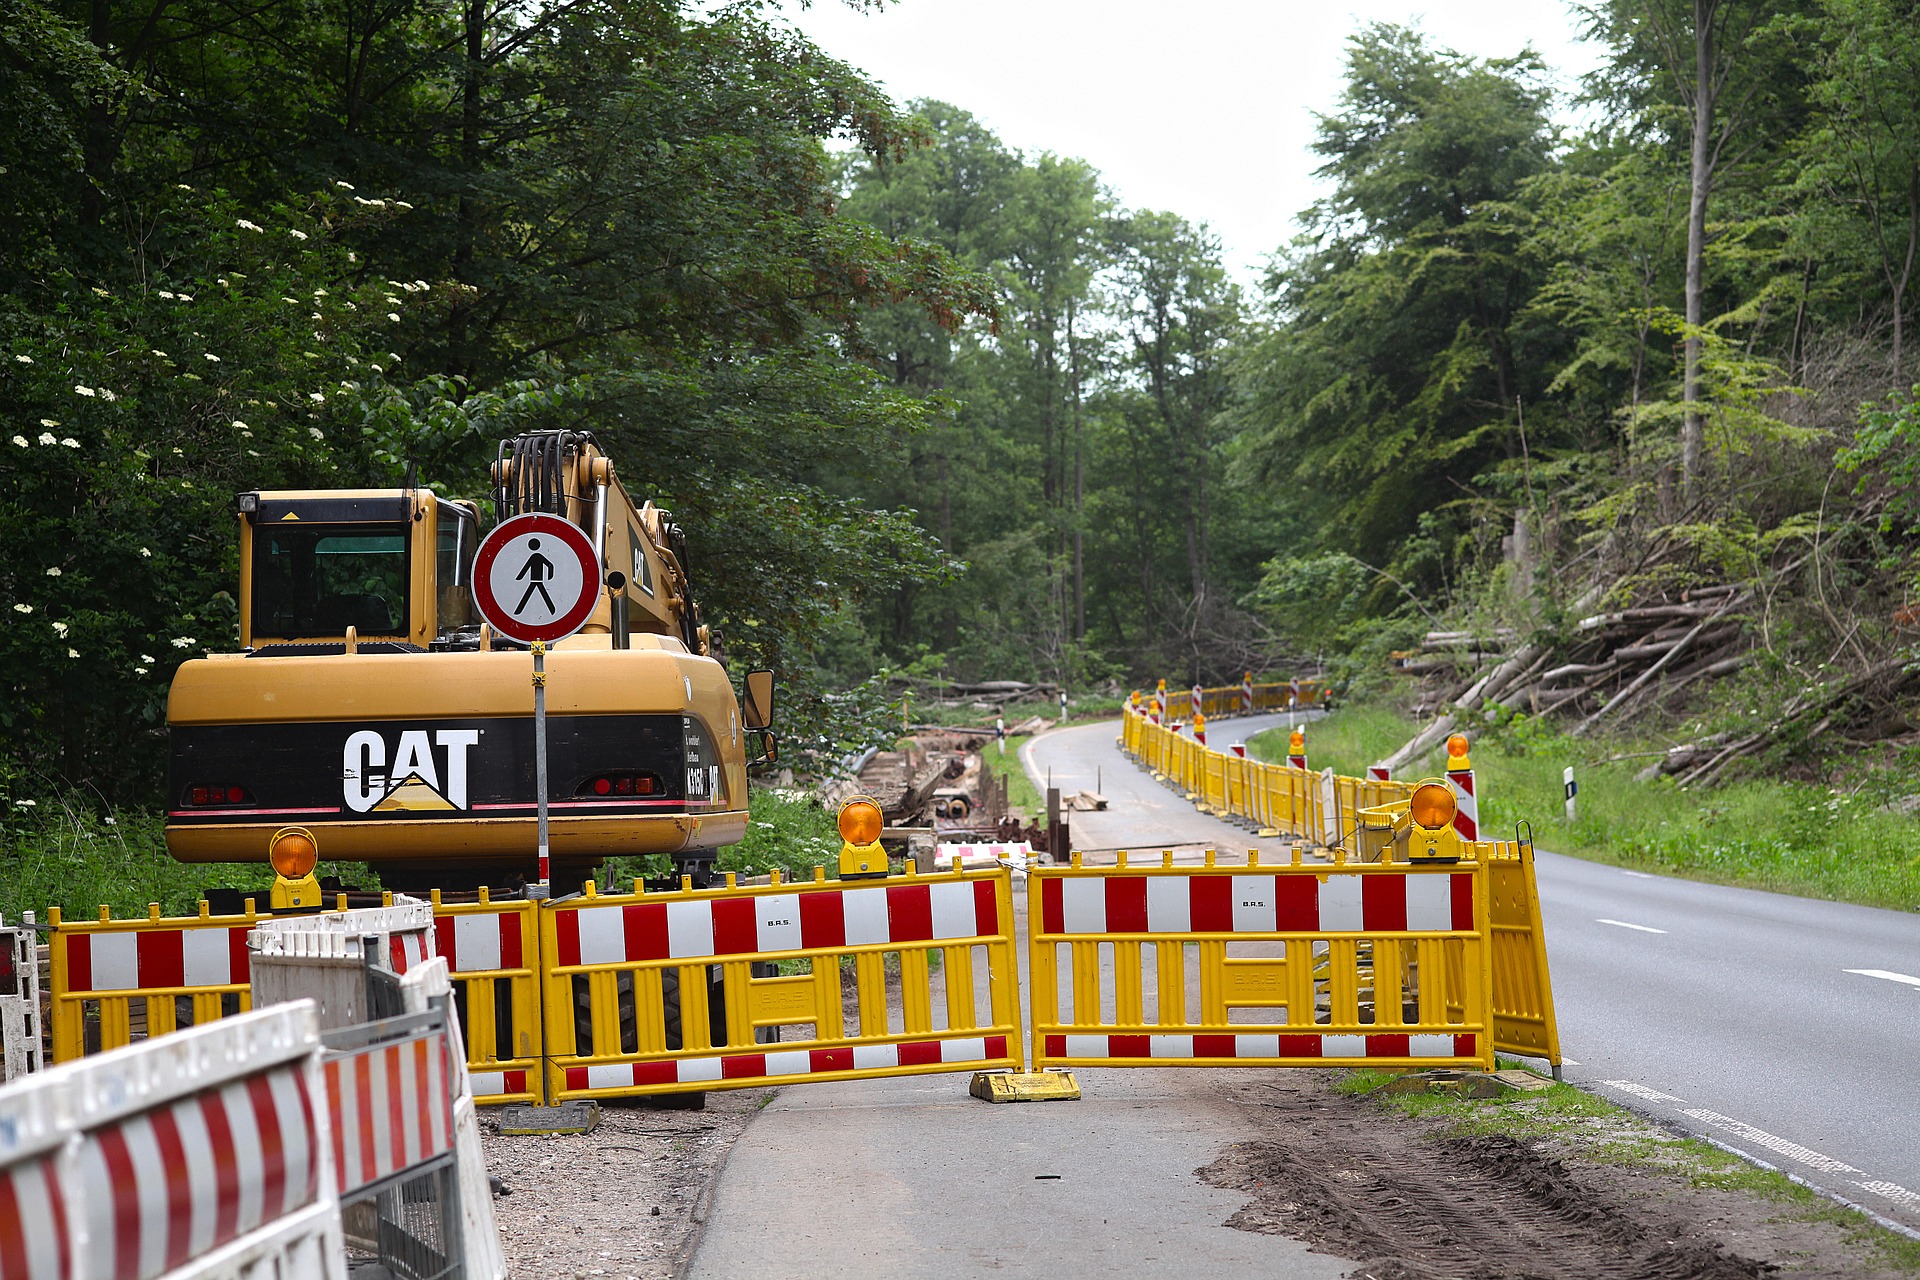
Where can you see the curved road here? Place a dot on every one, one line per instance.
(1785, 1027)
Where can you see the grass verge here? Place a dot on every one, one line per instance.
(1791, 837)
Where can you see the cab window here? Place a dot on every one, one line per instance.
(318, 580)
(456, 536)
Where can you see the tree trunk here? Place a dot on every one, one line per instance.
(1704, 93)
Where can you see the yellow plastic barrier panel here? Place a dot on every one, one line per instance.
(1261, 964)
(1523, 1021)
(493, 951)
(118, 981)
(743, 986)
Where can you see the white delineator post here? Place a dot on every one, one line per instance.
(1466, 817)
(1573, 789)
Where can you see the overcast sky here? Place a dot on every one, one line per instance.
(1201, 107)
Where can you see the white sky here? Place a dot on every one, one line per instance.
(1201, 107)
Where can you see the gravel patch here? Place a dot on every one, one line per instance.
(627, 1200)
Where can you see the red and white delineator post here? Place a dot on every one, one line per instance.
(1246, 694)
(1466, 815)
(1196, 698)
(1378, 773)
(1160, 703)
(201, 1155)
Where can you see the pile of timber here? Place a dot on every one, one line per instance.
(1605, 665)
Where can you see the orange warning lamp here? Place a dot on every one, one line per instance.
(1457, 752)
(861, 857)
(1297, 742)
(1433, 805)
(294, 852)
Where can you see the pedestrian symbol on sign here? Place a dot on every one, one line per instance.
(540, 567)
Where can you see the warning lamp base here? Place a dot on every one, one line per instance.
(863, 861)
(296, 895)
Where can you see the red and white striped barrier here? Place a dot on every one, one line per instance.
(975, 856)
(1378, 773)
(392, 1109)
(213, 956)
(817, 1064)
(1466, 798)
(1360, 902)
(200, 1154)
(775, 922)
(1201, 1047)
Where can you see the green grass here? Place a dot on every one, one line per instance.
(1608, 1134)
(1792, 837)
(70, 858)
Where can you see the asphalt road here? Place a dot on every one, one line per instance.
(1785, 1027)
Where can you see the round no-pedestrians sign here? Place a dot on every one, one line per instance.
(536, 578)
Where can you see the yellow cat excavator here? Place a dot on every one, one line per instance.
(370, 715)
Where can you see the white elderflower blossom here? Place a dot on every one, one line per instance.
(213, 357)
(86, 391)
(54, 571)
(401, 204)
(145, 554)
(239, 425)
(60, 630)
(46, 437)
(163, 355)
(73, 653)
(316, 397)
(139, 671)
(296, 234)
(23, 608)
(316, 433)
(183, 642)
(49, 422)
(24, 359)
(166, 293)
(25, 804)
(107, 395)
(23, 442)
(186, 297)
(69, 442)
(244, 225)
(148, 658)
(344, 186)
(394, 316)
(319, 293)
(285, 298)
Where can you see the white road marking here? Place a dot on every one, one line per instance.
(1894, 1192)
(1624, 925)
(1889, 976)
(1760, 1137)
(1640, 1091)
(1639, 875)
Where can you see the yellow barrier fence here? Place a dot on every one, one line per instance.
(1523, 1021)
(1322, 808)
(1293, 964)
(117, 981)
(493, 950)
(669, 999)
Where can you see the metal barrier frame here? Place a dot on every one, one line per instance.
(492, 948)
(1454, 1022)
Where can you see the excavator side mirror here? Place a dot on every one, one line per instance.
(762, 749)
(758, 712)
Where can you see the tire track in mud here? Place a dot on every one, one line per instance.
(1361, 1182)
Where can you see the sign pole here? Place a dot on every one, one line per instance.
(540, 753)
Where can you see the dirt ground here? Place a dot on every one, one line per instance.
(626, 1200)
(1411, 1198)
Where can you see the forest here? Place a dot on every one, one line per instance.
(936, 409)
